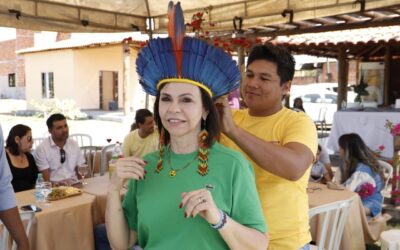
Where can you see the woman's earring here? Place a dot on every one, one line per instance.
(202, 169)
(162, 149)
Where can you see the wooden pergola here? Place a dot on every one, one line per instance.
(368, 44)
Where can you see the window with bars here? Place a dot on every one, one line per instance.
(47, 85)
(11, 80)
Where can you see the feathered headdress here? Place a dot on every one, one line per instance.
(185, 60)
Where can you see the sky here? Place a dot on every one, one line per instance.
(7, 33)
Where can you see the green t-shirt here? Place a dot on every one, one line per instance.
(151, 206)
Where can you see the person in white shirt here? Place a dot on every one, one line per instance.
(58, 156)
(144, 139)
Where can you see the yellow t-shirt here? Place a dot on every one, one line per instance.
(284, 202)
(134, 145)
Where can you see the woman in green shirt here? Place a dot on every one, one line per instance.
(193, 193)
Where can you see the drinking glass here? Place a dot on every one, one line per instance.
(46, 190)
(83, 171)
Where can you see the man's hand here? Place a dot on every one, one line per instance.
(228, 126)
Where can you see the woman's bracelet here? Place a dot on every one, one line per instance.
(221, 222)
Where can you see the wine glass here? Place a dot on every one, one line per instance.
(46, 190)
(316, 177)
(83, 171)
(108, 140)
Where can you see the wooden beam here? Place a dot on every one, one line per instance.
(342, 77)
(348, 26)
(386, 83)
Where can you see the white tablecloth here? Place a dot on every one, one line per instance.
(369, 125)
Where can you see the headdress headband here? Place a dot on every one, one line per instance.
(185, 60)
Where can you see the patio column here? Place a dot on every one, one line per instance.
(342, 76)
(386, 81)
(127, 77)
(241, 66)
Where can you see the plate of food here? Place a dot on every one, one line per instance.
(62, 192)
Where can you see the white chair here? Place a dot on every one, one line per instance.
(82, 139)
(331, 231)
(387, 170)
(321, 122)
(89, 153)
(390, 240)
(105, 158)
(27, 218)
(37, 141)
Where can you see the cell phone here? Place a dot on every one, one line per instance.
(33, 208)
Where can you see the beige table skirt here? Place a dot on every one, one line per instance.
(65, 224)
(358, 230)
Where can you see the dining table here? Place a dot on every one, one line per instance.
(97, 186)
(358, 230)
(63, 224)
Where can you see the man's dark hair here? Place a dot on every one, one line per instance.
(211, 123)
(53, 118)
(141, 115)
(284, 60)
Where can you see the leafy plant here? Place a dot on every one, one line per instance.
(67, 107)
(360, 90)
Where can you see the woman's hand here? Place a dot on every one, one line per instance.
(202, 203)
(127, 168)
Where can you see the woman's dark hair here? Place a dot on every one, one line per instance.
(279, 55)
(19, 130)
(355, 151)
(211, 123)
(298, 103)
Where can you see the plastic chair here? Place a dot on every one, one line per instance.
(105, 158)
(82, 139)
(331, 231)
(37, 141)
(390, 240)
(89, 153)
(387, 170)
(321, 122)
(27, 218)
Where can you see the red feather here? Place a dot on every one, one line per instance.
(176, 32)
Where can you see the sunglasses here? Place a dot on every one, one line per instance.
(62, 156)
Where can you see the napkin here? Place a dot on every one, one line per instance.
(334, 186)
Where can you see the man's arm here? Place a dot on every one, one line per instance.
(13, 223)
(46, 174)
(295, 157)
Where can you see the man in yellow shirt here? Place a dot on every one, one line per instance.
(280, 143)
(144, 139)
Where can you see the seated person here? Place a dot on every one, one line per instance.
(298, 105)
(58, 156)
(361, 172)
(319, 173)
(144, 139)
(325, 159)
(22, 164)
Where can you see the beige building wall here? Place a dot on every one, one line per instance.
(60, 63)
(76, 75)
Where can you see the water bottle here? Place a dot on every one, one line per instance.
(39, 197)
(116, 154)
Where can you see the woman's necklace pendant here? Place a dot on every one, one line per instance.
(172, 172)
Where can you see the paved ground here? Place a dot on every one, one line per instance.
(103, 125)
